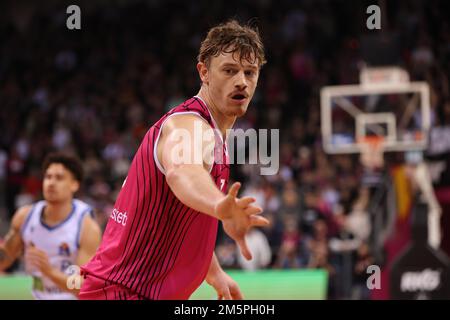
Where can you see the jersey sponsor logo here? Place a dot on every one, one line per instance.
(119, 217)
(38, 285)
(64, 250)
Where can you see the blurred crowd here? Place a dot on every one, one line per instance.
(96, 91)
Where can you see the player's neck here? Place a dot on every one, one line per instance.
(223, 121)
(55, 212)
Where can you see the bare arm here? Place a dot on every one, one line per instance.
(214, 268)
(89, 240)
(224, 285)
(187, 171)
(12, 246)
(192, 184)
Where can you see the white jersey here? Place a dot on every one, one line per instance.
(60, 242)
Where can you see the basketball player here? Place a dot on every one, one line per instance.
(159, 241)
(54, 233)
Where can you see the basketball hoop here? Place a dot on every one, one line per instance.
(384, 104)
(372, 150)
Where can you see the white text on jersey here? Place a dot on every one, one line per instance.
(119, 217)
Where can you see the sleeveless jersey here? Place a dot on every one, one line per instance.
(60, 242)
(153, 244)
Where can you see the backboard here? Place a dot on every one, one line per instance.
(384, 104)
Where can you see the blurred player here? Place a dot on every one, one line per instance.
(54, 233)
(159, 241)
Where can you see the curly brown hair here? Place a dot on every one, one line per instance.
(232, 37)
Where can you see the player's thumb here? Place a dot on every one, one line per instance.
(234, 189)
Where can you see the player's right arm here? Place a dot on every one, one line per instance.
(192, 184)
(12, 245)
(187, 177)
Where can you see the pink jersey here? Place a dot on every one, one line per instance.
(154, 244)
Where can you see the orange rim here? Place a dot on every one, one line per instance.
(371, 139)
(374, 142)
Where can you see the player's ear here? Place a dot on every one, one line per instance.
(75, 186)
(203, 72)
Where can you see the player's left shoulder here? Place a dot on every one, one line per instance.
(80, 203)
(83, 207)
(88, 223)
(90, 230)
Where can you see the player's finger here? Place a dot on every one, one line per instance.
(234, 189)
(41, 259)
(258, 221)
(244, 249)
(236, 293)
(244, 202)
(37, 254)
(253, 210)
(30, 256)
(36, 262)
(31, 261)
(31, 250)
(227, 294)
(33, 255)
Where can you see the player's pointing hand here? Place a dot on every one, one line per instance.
(238, 216)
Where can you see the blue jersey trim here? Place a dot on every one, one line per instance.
(51, 228)
(27, 220)
(80, 222)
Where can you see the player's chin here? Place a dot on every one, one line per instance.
(51, 197)
(237, 110)
(236, 113)
(47, 194)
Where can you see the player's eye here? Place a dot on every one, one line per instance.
(250, 73)
(229, 71)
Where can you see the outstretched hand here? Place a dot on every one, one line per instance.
(238, 216)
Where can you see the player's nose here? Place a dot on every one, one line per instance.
(49, 182)
(241, 81)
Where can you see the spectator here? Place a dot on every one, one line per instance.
(260, 249)
(288, 254)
